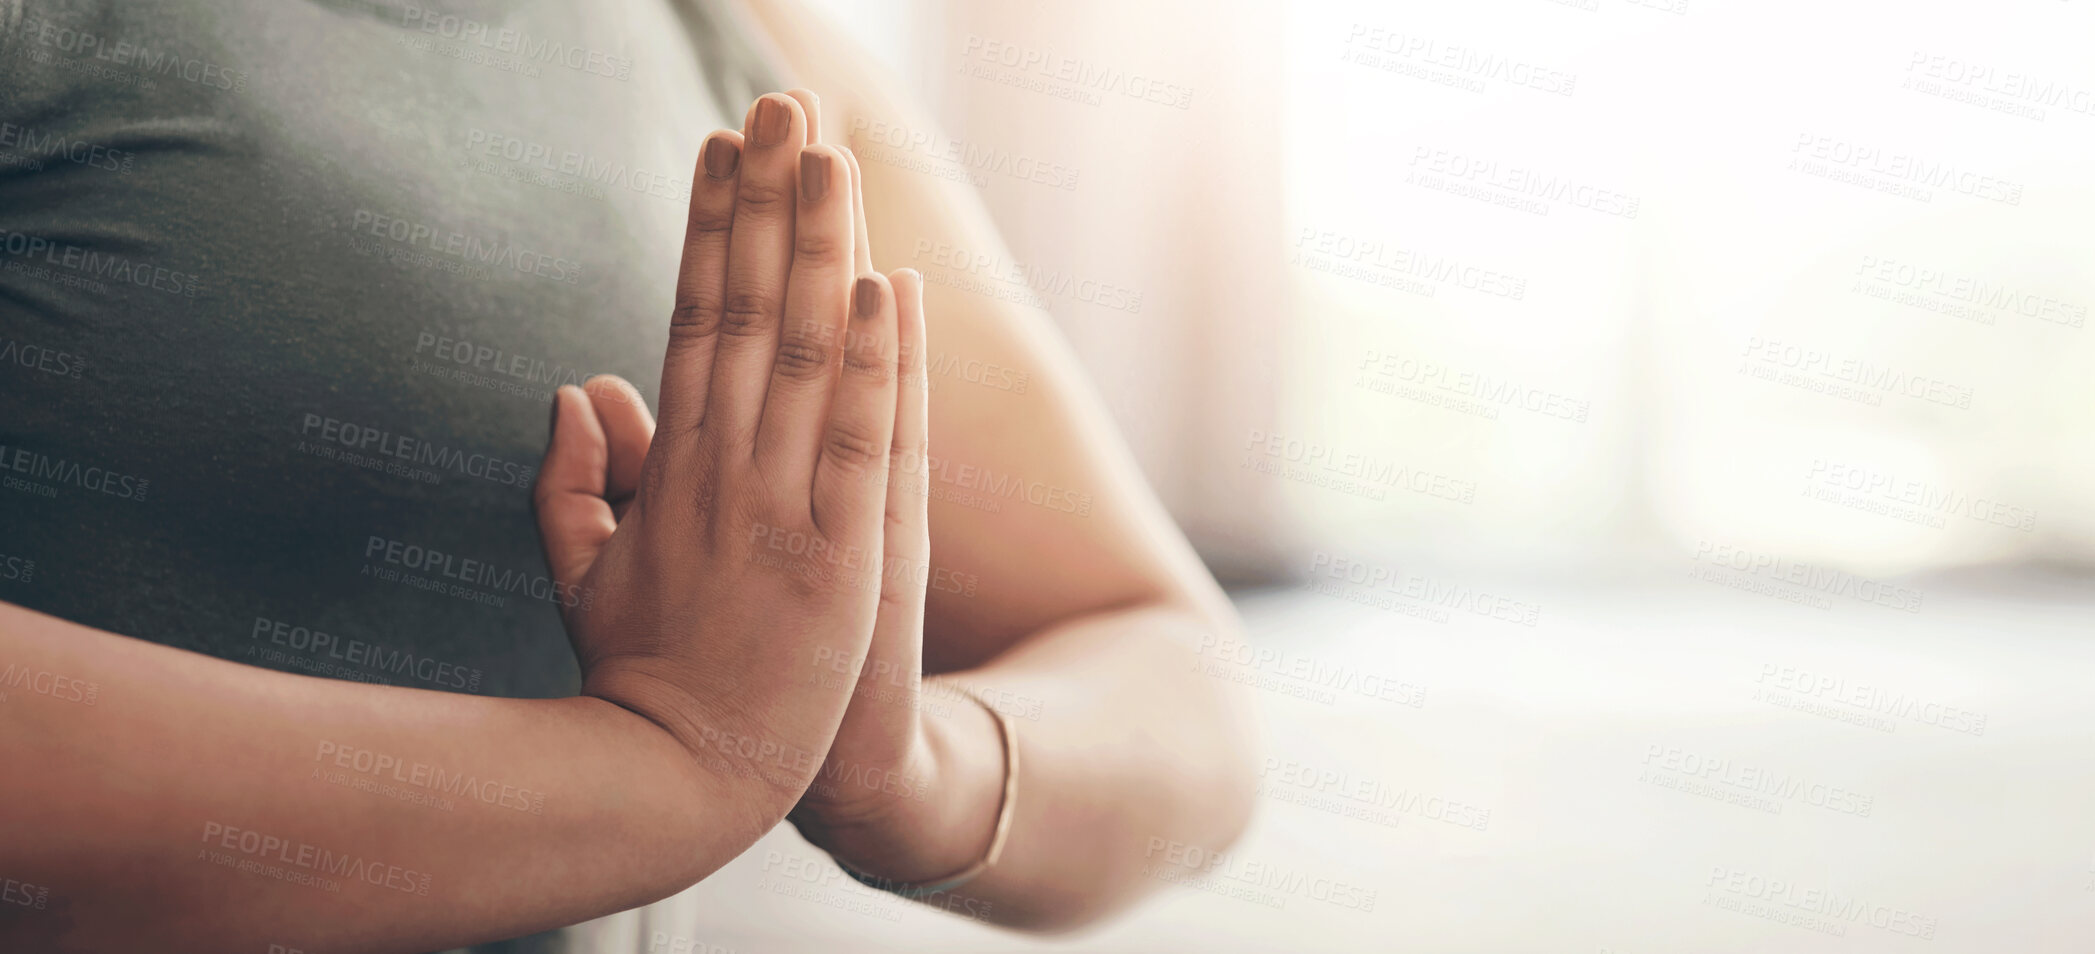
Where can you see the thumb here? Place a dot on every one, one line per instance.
(574, 519)
(628, 431)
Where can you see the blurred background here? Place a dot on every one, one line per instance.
(1685, 403)
(1563, 252)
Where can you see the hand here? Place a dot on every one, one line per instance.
(715, 558)
(892, 798)
(910, 787)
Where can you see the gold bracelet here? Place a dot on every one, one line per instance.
(996, 838)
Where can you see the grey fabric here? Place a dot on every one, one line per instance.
(256, 239)
(285, 289)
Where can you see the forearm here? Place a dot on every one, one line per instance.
(1125, 745)
(197, 804)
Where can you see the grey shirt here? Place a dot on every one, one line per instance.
(285, 289)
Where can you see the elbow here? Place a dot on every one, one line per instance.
(1202, 777)
(1227, 792)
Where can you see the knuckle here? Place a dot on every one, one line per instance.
(817, 247)
(899, 596)
(696, 315)
(851, 447)
(801, 360)
(746, 312)
(873, 366)
(711, 222)
(758, 198)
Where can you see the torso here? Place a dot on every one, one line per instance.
(282, 310)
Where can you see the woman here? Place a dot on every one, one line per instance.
(317, 266)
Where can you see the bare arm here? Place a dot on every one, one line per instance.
(1084, 622)
(186, 803)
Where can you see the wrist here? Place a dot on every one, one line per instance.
(957, 762)
(752, 768)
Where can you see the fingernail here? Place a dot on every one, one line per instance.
(865, 296)
(774, 120)
(721, 158)
(814, 176)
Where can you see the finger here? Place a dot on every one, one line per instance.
(850, 473)
(861, 243)
(760, 250)
(818, 298)
(907, 534)
(573, 518)
(895, 663)
(913, 400)
(628, 430)
(811, 107)
(694, 325)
